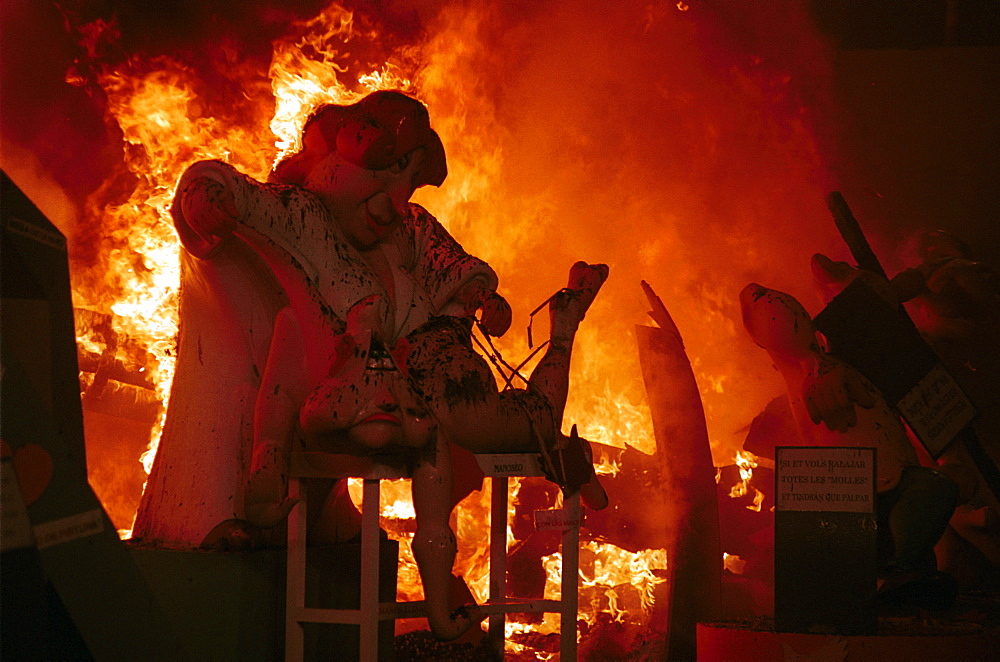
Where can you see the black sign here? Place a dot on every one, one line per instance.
(825, 554)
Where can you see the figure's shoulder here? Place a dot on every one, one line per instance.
(220, 171)
(232, 177)
(210, 167)
(420, 217)
(422, 226)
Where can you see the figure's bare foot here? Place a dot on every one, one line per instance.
(569, 463)
(592, 493)
(570, 305)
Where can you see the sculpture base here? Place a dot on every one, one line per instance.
(898, 639)
(231, 605)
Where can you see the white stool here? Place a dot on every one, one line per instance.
(498, 468)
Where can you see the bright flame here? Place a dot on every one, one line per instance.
(307, 68)
(614, 569)
(733, 563)
(747, 462)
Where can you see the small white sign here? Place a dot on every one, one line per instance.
(510, 464)
(825, 479)
(558, 519)
(15, 528)
(936, 410)
(67, 529)
(394, 610)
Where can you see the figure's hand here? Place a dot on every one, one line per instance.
(457, 623)
(265, 494)
(832, 277)
(208, 207)
(496, 314)
(830, 391)
(963, 289)
(366, 316)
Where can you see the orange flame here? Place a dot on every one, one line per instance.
(747, 462)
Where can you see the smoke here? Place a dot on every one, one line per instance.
(676, 147)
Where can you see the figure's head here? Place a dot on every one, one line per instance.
(940, 244)
(776, 321)
(365, 160)
(389, 415)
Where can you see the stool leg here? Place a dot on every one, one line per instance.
(569, 592)
(370, 553)
(295, 577)
(498, 559)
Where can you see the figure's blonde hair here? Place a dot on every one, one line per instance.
(373, 133)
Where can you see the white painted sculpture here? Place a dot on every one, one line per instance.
(954, 301)
(324, 311)
(831, 402)
(834, 405)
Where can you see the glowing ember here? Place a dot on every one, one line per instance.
(613, 569)
(733, 563)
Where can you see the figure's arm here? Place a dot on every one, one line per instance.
(963, 289)
(475, 296)
(283, 223)
(831, 389)
(204, 209)
(458, 283)
(828, 388)
(277, 408)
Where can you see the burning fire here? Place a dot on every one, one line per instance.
(747, 462)
(158, 107)
(541, 173)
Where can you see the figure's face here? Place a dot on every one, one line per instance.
(366, 204)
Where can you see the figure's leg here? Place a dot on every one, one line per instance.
(457, 386)
(566, 310)
(266, 500)
(926, 501)
(568, 461)
(434, 545)
(919, 509)
(336, 519)
(457, 389)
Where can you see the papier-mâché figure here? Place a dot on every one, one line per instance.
(954, 301)
(835, 405)
(346, 314)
